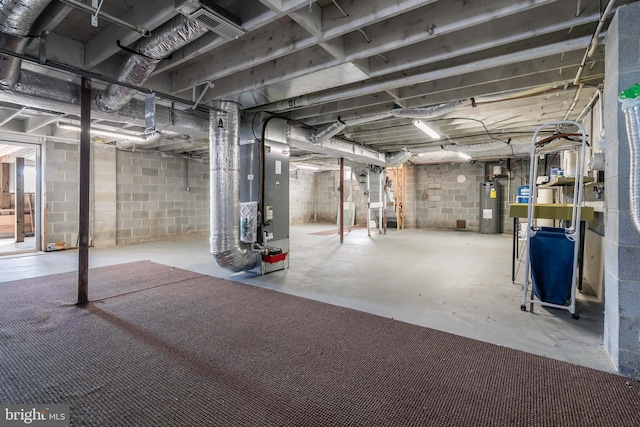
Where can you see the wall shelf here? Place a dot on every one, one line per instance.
(563, 181)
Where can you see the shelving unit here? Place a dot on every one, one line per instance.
(553, 253)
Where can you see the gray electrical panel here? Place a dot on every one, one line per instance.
(276, 190)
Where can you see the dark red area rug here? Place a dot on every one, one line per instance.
(160, 346)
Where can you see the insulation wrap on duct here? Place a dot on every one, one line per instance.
(16, 19)
(328, 132)
(428, 112)
(476, 147)
(170, 37)
(398, 158)
(632, 119)
(224, 178)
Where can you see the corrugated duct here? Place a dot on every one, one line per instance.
(224, 152)
(168, 38)
(16, 19)
(632, 119)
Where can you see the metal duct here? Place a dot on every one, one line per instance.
(45, 93)
(428, 112)
(398, 158)
(409, 113)
(632, 119)
(328, 132)
(16, 19)
(299, 137)
(170, 37)
(224, 152)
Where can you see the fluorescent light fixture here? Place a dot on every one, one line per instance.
(307, 167)
(426, 129)
(464, 155)
(102, 132)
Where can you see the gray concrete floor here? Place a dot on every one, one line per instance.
(458, 282)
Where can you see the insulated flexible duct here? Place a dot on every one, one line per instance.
(171, 36)
(335, 128)
(224, 151)
(632, 118)
(16, 19)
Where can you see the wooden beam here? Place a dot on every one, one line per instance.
(19, 209)
(5, 196)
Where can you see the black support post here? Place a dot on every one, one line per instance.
(85, 155)
(341, 209)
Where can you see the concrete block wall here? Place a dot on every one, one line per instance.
(61, 177)
(326, 194)
(441, 200)
(622, 241)
(160, 197)
(301, 196)
(135, 196)
(314, 197)
(103, 195)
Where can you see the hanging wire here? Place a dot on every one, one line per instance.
(340, 9)
(365, 35)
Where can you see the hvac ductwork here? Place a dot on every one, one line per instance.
(170, 37)
(42, 93)
(16, 19)
(398, 158)
(224, 152)
(632, 119)
(333, 129)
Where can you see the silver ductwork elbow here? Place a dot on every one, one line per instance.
(398, 158)
(16, 19)
(170, 37)
(224, 152)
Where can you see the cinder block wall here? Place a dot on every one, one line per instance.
(314, 197)
(301, 196)
(326, 194)
(160, 197)
(135, 196)
(61, 185)
(442, 200)
(103, 195)
(622, 241)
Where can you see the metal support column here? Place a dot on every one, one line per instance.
(85, 167)
(341, 210)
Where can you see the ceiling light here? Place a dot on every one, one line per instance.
(426, 129)
(307, 167)
(102, 132)
(464, 155)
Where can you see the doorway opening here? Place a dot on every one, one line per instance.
(19, 198)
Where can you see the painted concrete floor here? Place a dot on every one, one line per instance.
(458, 282)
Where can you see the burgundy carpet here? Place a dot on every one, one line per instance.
(160, 346)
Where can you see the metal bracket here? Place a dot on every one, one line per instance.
(206, 87)
(96, 5)
(42, 48)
